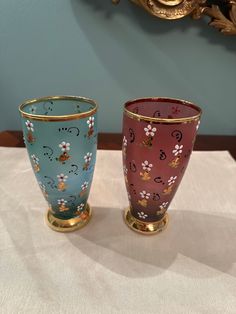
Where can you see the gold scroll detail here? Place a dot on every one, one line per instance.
(222, 14)
(226, 24)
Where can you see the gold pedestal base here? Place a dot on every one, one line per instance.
(68, 225)
(146, 228)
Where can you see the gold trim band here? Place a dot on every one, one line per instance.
(58, 118)
(68, 225)
(147, 228)
(139, 117)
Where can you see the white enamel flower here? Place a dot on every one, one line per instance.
(147, 166)
(87, 157)
(90, 122)
(80, 207)
(172, 180)
(164, 204)
(150, 131)
(142, 215)
(42, 186)
(125, 170)
(145, 194)
(84, 186)
(64, 146)
(125, 141)
(29, 125)
(198, 124)
(35, 159)
(61, 201)
(61, 177)
(178, 150)
(32, 109)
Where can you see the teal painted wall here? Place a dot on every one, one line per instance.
(112, 54)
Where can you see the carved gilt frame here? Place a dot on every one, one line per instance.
(221, 12)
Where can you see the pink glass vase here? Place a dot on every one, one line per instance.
(158, 139)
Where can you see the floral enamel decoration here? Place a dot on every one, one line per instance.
(124, 146)
(90, 123)
(62, 178)
(168, 190)
(142, 215)
(162, 208)
(62, 204)
(84, 215)
(43, 189)
(147, 167)
(57, 155)
(82, 212)
(65, 147)
(30, 127)
(171, 182)
(160, 133)
(164, 204)
(87, 159)
(177, 150)
(149, 132)
(35, 161)
(145, 196)
(175, 162)
(80, 207)
(125, 174)
(175, 110)
(84, 188)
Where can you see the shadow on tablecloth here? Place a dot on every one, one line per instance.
(22, 228)
(192, 242)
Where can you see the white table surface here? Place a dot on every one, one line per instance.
(106, 267)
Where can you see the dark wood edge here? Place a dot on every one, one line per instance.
(113, 141)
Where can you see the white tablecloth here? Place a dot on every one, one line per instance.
(106, 267)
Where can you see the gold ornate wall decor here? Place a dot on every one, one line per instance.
(222, 13)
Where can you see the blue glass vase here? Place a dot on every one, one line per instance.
(60, 134)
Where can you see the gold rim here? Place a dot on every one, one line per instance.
(67, 225)
(139, 117)
(58, 118)
(146, 228)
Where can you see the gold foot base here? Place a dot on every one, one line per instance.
(68, 225)
(146, 228)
